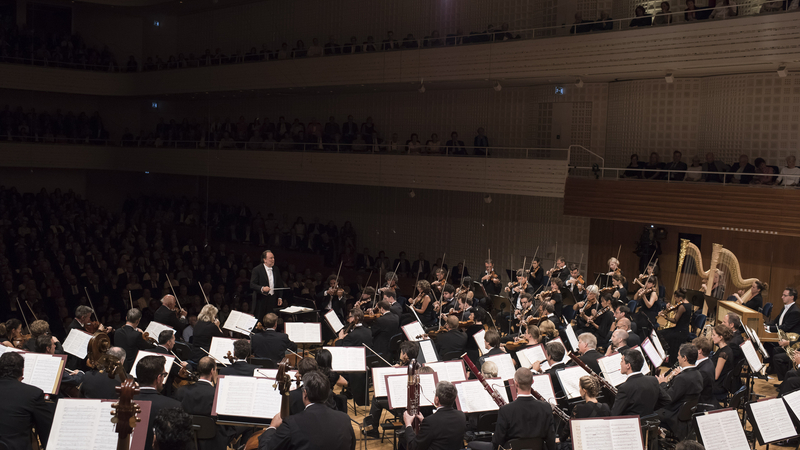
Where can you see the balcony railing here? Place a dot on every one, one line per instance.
(681, 176)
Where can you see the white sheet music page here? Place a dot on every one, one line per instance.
(75, 424)
(414, 331)
(333, 321)
(478, 337)
(239, 322)
(606, 434)
(379, 373)
(657, 342)
(793, 401)
(572, 338)
(722, 431)
(348, 359)
(77, 343)
(505, 365)
(772, 418)
(611, 370)
(397, 391)
(652, 353)
(472, 396)
(428, 351)
(544, 386)
(304, 332)
(247, 397)
(452, 371)
(570, 380)
(528, 355)
(220, 347)
(751, 356)
(154, 329)
(758, 344)
(645, 368)
(43, 371)
(143, 353)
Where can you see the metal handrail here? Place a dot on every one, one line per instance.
(724, 175)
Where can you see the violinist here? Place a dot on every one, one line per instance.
(600, 322)
(422, 304)
(585, 309)
(681, 316)
(453, 341)
(198, 398)
(536, 273)
(613, 267)
(131, 339)
(166, 342)
(206, 328)
(391, 284)
(386, 326)
(332, 298)
(395, 307)
(23, 406)
(270, 343)
(620, 291)
(439, 282)
(491, 343)
(240, 366)
(525, 310)
(170, 315)
(447, 302)
(366, 298)
(358, 335)
(547, 328)
(647, 300)
(13, 333)
(521, 286)
(560, 270)
(83, 317)
(38, 328)
(555, 296)
(465, 289)
(490, 280)
(97, 384)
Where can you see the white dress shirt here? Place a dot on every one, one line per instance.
(271, 276)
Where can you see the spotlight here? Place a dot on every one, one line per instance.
(487, 198)
(579, 83)
(497, 86)
(412, 194)
(669, 78)
(783, 71)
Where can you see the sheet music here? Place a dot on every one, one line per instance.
(77, 343)
(570, 380)
(793, 401)
(652, 353)
(397, 390)
(772, 419)
(573, 340)
(528, 355)
(645, 368)
(43, 371)
(378, 374)
(657, 342)
(220, 347)
(751, 356)
(722, 431)
(758, 341)
(247, 397)
(304, 333)
(414, 329)
(472, 396)
(452, 371)
(143, 353)
(239, 322)
(296, 310)
(544, 386)
(333, 321)
(82, 423)
(428, 351)
(154, 329)
(606, 434)
(611, 370)
(478, 337)
(348, 359)
(505, 365)
(4, 349)
(272, 373)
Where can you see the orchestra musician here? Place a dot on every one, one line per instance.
(296, 406)
(515, 290)
(83, 316)
(12, 333)
(723, 358)
(523, 418)
(365, 298)
(385, 326)
(491, 342)
(170, 315)
(574, 284)
(38, 328)
(422, 304)
(439, 281)
(681, 317)
(536, 273)
(150, 375)
(447, 301)
(590, 389)
(409, 350)
(332, 298)
(97, 384)
(717, 290)
(620, 291)
(359, 335)
(586, 309)
(198, 399)
(205, 329)
(705, 366)
(587, 348)
(442, 430)
(271, 343)
(560, 270)
(647, 302)
(390, 297)
(453, 341)
(264, 278)
(619, 342)
(639, 394)
(331, 429)
(23, 406)
(131, 339)
(613, 267)
(490, 280)
(756, 301)
(45, 344)
(788, 321)
(686, 384)
(240, 366)
(391, 284)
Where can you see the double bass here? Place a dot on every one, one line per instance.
(283, 382)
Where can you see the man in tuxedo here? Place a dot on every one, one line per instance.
(453, 341)
(734, 322)
(390, 296)
(359, 335)
(618, 343)
(265, 278)
(491, 343)
(331, 429)
(555, 354)
(626, 324)
(789, 321)
(639, 394)
(240, 366)
(198, 398)
(523, 418)
(560, 270)
(170, 315)
(332, 298)
(587, 344)
(685, 386)
(130, 338)
(491, 285)
(442, 430)
(99, 385)
(270, 343)
(705, 366)
(150, 376)
(386, 326)
(23, 406)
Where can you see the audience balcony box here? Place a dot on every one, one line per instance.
(745, 208)
(542, 177)
(746, 44)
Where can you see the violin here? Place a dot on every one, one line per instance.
(544, 295)
(516, 345)
(607, 290)
(20, 341)
(185, 377)
(230, 357)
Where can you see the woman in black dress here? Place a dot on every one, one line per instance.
(205, 329)
(722, 358)
(647, 303)
(678, 334)
(756, 301)
(590, 389)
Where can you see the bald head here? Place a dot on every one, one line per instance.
(624, 324)
(619, 338)
(452, 322)
(168, 301)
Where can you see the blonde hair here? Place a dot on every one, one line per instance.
(208, 313)
(489, 369)
(614, 260)
(592, 289)
(590, 385)
(548, 329)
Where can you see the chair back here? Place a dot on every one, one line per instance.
(687, 409)
(452, 356)
(738, 399)
(204, 427)
(699, 321)
(632, 305)
(182, 350)
(766, 311)
(526, 444)
(264, 363)
(487, 421)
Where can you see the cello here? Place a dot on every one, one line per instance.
(283, 382)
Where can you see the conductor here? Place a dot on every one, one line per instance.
(265, 278)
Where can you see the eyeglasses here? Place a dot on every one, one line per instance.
(163, 374)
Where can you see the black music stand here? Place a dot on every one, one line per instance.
(567, 298)
(603, 279)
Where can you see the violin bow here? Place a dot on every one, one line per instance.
(203, 291)
(90, 304)
(131, 297)
(619, 251)
(22, 311)
(534, 258)
(172, 288)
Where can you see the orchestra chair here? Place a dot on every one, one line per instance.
(182, 351)
(632, 305)
(264, 363)
(568, 314)
(526, 444)
(452, 356)
(651, 432)
(486, 426)
(203, 428)
(394, 346)
(395, 424)
(766, 311)
(698, 322)
(685, 415)
(733, 380)
(738, 401)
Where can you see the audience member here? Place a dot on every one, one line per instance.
(641, 19)
(789, 174)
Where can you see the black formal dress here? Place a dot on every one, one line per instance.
(725, 353)
(259, 278)
(198, 399)
(383, 329)
(674, 336)
(639, 395)
(587, 410)
(202, 334)
(23, 406)
(453, 341)
(686, 386)
(239, 368)
(271, 344)
(157, 403)
(331, 431)
(131, 341)
(525, 417)
(99, 385)
(443, 430)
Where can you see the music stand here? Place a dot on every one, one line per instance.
(478, 289)
(603, 279)
(567, 298)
